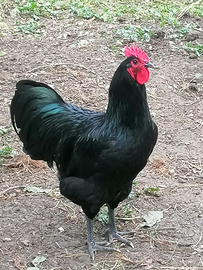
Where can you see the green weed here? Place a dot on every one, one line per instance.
(30, 27)
(90, 9)
(151, 190)
(102, 216)
(5, 152)
(195, 48)
(81, 9)
(197, 10)
(127, 210)
(133, 33)
(186, 28)
(41, 7)
(114, 48)
(166, 12)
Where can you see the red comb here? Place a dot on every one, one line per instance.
(135, 51)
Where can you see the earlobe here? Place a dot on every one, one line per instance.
(131, 73)
(128, 65)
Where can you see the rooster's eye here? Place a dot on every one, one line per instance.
(135, 62)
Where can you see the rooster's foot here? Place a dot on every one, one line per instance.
(115, 235)
(112, 231)
(93, 247)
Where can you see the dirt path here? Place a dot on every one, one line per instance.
(76, 58)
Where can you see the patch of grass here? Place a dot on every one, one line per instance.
(127, 210)
(89, 9)
(186, 28)
(102, 216)
(114, 48)
(151, 190)
(133, 33)
(30, 27)
(167, 12)
(41, 7)
(196, 8)
(198, 11)
(194, 48)
(5, 152)
(28, 13)
(81, 9)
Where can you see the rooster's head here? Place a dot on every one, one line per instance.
(138, 65)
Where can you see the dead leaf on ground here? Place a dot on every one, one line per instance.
(152, 217)
(25, 162)
(159, 166)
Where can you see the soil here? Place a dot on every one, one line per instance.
(76, 58)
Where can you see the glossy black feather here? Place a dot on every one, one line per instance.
(97, 154)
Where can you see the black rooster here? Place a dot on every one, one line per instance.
(97, 154)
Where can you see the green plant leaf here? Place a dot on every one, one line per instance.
(39, 259)
(33, 189)
(6, 151)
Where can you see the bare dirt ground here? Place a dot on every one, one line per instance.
(75, 57)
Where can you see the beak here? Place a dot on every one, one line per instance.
(149, 65)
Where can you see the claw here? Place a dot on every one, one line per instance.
(115, 235)
(93, 247)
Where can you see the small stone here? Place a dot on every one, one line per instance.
(193, 56)
(192, 88)
(61, 229)
(7, 239)
(26, 243)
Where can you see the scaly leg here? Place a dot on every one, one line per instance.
(92, 245)
(113, 233)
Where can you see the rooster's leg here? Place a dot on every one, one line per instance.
(92, 245)
(113, 233)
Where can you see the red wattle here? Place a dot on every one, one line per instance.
(142, 76)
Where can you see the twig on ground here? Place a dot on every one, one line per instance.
(200, 239)
(182, 13)
(18, 263)
(11, 188)
(123, 258)
(126, 219)
(140, 262)
(71, 255)
(194, 166)
(173, 251)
